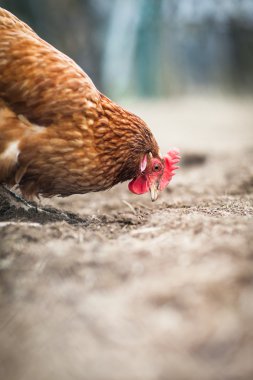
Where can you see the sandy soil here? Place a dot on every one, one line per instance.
(134, 290)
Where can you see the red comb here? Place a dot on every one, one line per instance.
(170, 160)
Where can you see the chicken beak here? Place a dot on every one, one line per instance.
(154, 192)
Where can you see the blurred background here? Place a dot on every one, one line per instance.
(150, 48)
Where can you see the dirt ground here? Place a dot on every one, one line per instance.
(134, 290)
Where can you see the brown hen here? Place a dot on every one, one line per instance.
(58, 134)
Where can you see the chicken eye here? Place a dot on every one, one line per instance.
(156, 167)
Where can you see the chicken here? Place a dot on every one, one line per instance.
(58, 134)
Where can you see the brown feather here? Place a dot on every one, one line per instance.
(60, 135)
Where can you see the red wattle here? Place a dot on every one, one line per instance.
(139, 185)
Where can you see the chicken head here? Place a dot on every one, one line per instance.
(155, 173)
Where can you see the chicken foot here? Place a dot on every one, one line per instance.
(15, 198)
(13, 206)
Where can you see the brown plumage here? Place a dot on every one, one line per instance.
(58, 134)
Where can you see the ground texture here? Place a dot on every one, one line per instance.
(130, 290)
